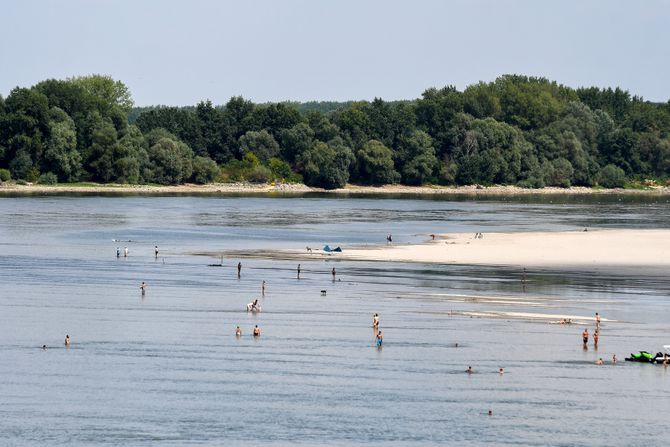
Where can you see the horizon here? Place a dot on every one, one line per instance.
(175, 54)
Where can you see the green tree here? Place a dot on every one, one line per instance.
(326, 165)
(295, 141)
(112, 93)
(612, 177)
(205, 170)
(261, 143)
(61, 156)
(416, 158)
(561, 173)
(171, 162)
(375, 164)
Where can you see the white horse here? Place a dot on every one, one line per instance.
(253, 308)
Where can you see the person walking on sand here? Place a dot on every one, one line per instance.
(380, 339)
(257, 331)
(238, 332)
(298, 271)
(585, 337)
(67, 340)
(375, 321)
(239, 269)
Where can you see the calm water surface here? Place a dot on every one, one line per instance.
(168, 369)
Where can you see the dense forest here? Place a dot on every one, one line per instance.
(516, 130)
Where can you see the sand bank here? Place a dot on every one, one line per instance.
(593, 249)
(294, 188)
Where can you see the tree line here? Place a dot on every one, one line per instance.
(516, 130)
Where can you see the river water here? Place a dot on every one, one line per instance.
(167, 368)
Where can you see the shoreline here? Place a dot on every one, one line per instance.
(297, 189)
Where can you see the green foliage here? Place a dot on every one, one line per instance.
(612, 177)
(375, 164)
(205, 170)
(48, 178)
(5, 175)
(515, 130)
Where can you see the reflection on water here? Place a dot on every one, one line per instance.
(168, 368)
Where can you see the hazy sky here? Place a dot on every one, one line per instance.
(180, 52)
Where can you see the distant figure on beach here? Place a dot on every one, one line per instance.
(125, 252)
(389, 238)
(586, 229)
(333, 272)
(118, 252)
(67, 340)
(309, 249)
(155, 251)
(469, 370)
(239, 269)
(375, 321)
(585, 337)
(238, 331)
(143, 288)
(432, 236)
(599, 361)
(613, 358)
(380, 339)
(262, 288)
(298, 271)
(257, 331)
(596, 336)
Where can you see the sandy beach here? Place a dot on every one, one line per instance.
(297, 188)
(594, 249)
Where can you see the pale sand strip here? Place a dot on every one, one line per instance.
(595, 248)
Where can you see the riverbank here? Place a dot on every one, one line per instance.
(594, 250)
(294, 188)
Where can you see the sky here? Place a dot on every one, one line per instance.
(181, 52)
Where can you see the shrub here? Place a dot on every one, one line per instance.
(48, 178)
(5, 175)
(612, 177)
(259, 174)
(205, 170)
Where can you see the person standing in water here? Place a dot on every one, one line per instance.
(263, 288)
(596, 335)
(239, 269)
(125, 252)
(585, 337)
(333, 273)
(118, 252)
(143, 288)
(597, 320)
(257, 331)
(380, 339)
(375, 321)
(238, 332)
(298, 271)
(67, 340)
(155, 251)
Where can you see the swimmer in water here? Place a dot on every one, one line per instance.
(257, 331)
(501, 371)
(599, 361)
(469, 370)
(238, 331)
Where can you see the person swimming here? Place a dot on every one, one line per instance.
(380, 339)
(501, 371)
(257, 331)
(599, 361)
(469, 370)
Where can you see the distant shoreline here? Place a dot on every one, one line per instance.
(293, 188)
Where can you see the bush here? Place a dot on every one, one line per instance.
(612, 177)
(5, 175)
(48, 178)
(281, 170)
(205, 170)
(21, 182)
(259, 174)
